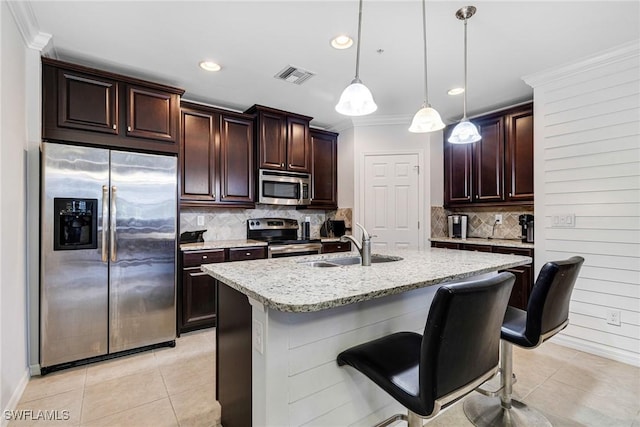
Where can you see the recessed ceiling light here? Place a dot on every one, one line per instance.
(209, 66)
(342, 42)
(456, 91)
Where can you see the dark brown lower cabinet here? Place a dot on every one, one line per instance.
(198, 294)
(524, 274)
(197, 309)
(233, 357)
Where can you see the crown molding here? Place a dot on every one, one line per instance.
(377, 120)
(620, 53)
(28, 26)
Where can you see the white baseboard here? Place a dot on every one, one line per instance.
(34, 370)
(597, 349)
(15, 397)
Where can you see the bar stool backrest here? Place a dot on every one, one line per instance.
(548, 306)
(461, 340)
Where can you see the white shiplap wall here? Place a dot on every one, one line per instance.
(587, 163)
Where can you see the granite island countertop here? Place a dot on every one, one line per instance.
(287, 284)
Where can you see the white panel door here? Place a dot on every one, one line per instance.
(391, 200)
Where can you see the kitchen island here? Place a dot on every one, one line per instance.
(282, 322)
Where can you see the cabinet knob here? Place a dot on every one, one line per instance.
(114, 126)
(204, 257)
(129, 128)
(509, 194)
(282, 164)
(477, 196)
(339, 247)
(248, 254)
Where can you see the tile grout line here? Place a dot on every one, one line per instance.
(167, 390)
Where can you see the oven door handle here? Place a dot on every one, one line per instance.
(292, 249)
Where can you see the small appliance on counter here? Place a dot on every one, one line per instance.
(526, 222)
(333, 228)
(457, 226)
(192, 236)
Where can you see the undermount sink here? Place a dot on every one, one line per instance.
(352, 260)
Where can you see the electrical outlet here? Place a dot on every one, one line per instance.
(498, 219)
(200, 220)
(613, 317)
(258, 336)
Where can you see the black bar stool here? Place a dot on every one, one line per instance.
(547, 314)
(458, 351)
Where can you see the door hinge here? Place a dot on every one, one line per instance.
(418, 225)
(417, 168)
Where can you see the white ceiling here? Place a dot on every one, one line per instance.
(164, 41)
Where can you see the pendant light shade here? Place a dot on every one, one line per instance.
(465, 132)
(427, 119)
(356, 99)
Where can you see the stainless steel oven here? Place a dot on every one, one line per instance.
(281, 235)
(284, 188)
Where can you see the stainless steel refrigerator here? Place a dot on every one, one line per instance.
(108, 249)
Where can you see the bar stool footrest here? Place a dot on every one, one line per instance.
(494, 386)
(488, 411)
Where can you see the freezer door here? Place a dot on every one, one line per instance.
(73, 281)
(142, 272)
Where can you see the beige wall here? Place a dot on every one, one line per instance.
(13, 264)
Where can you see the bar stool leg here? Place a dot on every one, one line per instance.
(485, 411)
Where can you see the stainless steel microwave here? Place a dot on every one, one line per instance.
(283, 188)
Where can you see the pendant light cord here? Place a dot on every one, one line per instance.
(424, 40)
(357, 79)
(464, 102)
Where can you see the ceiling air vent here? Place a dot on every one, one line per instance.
(293, 74)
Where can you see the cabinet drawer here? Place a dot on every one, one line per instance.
(197, 258)
(242, 254)
(513, 251)
(330, 247)
(477, 248)
(445, 245)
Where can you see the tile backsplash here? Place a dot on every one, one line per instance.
(231, 224)
(480, 222)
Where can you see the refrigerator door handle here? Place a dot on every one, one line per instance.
(105, 221)
(112, 225)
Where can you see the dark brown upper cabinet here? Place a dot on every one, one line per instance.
(92, 107)
(324, 165)
(283, 141)
(498, 169)
(519, 154)
(216, 152)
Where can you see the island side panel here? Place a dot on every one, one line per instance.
(233, 357)
(296, 380)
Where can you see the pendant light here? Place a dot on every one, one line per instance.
(356, 99)
(465, 132)
(427, 119)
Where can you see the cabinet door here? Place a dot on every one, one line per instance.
(298, 145)
(272, 133)
(524, 277)
(236, 160)
(87, 102)
(199, 156)
(199, 300)
(324, 159)
(519, 155)
(457, 173)
(489, 161)
(150, 114)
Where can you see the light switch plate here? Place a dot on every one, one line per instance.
(563, 220)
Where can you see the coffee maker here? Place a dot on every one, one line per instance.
(526, 222)
(457, 226)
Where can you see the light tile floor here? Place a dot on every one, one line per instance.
(175, 387)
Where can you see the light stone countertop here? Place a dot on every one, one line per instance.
(286, 284)
(511, 243)
(220, 244)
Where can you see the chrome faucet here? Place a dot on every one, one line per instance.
(364, 248)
